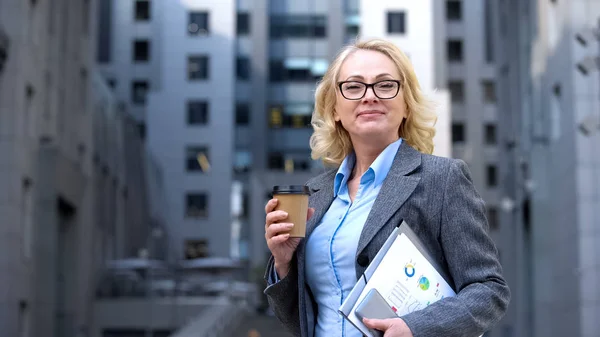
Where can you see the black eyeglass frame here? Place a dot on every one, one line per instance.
(367, 86)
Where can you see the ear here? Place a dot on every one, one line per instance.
(336, 117)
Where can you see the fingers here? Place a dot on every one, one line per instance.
(270, 206)
(275, 216)
(277, 228)
(311, 211)
(378, 324)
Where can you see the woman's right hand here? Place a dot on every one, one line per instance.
(280, 244)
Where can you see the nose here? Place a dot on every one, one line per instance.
(370, 94)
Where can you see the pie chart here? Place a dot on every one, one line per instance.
(424, 283)
(409, 270)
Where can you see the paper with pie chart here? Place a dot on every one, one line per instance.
(404, 273)
(413, 286)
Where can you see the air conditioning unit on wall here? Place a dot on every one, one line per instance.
(3, 49)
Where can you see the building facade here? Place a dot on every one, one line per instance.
(412, 27)
(550, 172)
(59, 221)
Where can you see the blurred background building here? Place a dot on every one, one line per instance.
(549, 136)
(140, 140)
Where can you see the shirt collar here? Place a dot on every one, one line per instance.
(380, 167)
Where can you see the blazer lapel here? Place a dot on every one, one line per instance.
(321, 198)
(396, 189)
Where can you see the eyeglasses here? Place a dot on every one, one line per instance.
(355, 90)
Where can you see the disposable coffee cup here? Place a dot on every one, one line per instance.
(293, 200)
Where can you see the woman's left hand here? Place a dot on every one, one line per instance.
(392, 327)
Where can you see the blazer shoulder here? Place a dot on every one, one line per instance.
(321, 179)
(443, 164)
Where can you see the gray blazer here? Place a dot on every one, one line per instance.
(436, 197)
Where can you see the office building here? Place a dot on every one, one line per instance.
(69, 188)
(549, 137)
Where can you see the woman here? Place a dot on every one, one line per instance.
(373, 122)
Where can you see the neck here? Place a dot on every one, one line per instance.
(366, 153)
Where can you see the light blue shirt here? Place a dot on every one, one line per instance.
(331, 248)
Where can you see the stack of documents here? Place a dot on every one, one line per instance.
(404, 274)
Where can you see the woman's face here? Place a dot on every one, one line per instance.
(370, 118)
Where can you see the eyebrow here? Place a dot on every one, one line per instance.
(362, 77)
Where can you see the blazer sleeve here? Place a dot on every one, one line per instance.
(283, 296)
(472, 259)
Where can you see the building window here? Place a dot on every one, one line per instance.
(198, 23)
(457, 91)
(195, 249)
(489, 91)
(142, 10)
(141, 129)
(458, 132)
(455, 51)
(197, 159)
(197, 112)
(198, 67)
(242, 161)
(276, 161)
(297, 26)
(454, 10)
(275, 117)
(493, 221)
(491, 176)
(196, 205)
(141, 50)
(243, 23)
(297, 70)
(488, 32)
(396, 22)
(139, 90)
(242, 114)
(290, 162)
(294, 115)
(490, 134)
(242, 68)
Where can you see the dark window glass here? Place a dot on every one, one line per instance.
(276, 161)
(457, 91)
(242, 68)
(198, 67)
(197, 159)
(455, 51)
(396, 22)
(458, 132)
(141, 50)
(242, 114)
(491, 176)
(243, 23)
(142, 10)
(454, 10)
(490, 134)
(198, 23)
(139, 90)
(297, 26)
(489, 91)
(195, 249)
(196, 205)
(197, 112)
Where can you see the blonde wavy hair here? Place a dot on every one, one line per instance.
(331, 143)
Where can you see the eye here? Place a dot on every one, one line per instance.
(387, 85)
(353, 86)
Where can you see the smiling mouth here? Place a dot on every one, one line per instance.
(370, 113)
